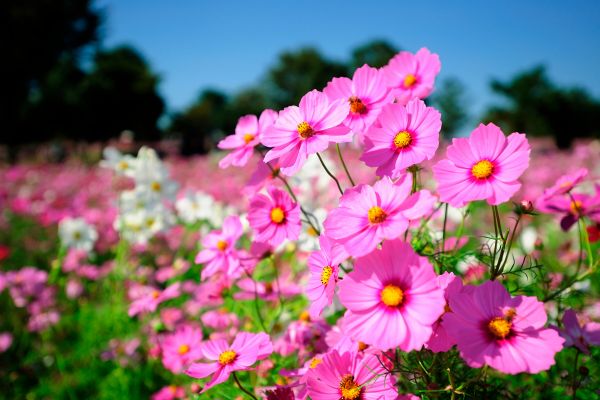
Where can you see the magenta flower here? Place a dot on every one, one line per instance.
(391, 293)
(275, 217)
(412, 75)
(323, 266)
(565, 183)
(579, 335)
(146, 298)
(219, 253)
(573, 207)
(484, 166)
(181, 348)
(440, 341)
(248, 133)
(170, 392)
(369, 214)
(285, 287)
(507, 333)
(304, 130)
(246, 349)
(366, 93)
(403, 136)
(350, 376)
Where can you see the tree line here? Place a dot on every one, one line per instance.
(59, 82)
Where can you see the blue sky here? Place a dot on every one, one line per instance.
(229, 45)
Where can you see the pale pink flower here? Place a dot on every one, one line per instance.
(146, 298)
(181, 348)
(412, 75)
(403, 136)
(248, 134)
(369, 214)
(323, 266)
(275, 217)
(484, 166)
(246, 349)
(219, 253)
(366, 93)
(350, 376)
(391, 290)
(307, 129)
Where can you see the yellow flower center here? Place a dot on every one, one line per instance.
(499, 327)
(248, 137)
(156, 186)
(305, 130)
(357, 106)
(155, 294)
(402, 140)
(304, 316)
(183, 349)
(376, 215)
(77, 235)
(123, 165)
(227, 357)
(349, 389)
(326, 274)
(277, 215)
(409, 80)
(575, 207)
(311, 231)
(483, 169)
(222, 245)
(314, 362)
(392, 296)
(362, 346)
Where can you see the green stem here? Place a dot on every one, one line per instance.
(239, 384)
(330, 174)
(444, 228)
(574, 384)
(339, 151)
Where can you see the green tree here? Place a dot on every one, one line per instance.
(120, 93)
(36, 35)
(538, 107)
(376, 53)
(201, 125)
(298, 72)
(449, 98)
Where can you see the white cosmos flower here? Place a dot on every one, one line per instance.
(194, 207)
(122, 164)
(75, 233)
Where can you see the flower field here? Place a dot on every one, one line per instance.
(335, 249)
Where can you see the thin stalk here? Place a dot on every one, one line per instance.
(330, 174)
(510, 241)
(574, 383)
(339, 151)
(444, 228)
(243, 389)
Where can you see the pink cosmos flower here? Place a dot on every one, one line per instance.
(248, 133)
(412, 76)
(368, 214)
(304, 130)
(403, 136)
(246, 349)
(440, 341)
(484, 166)
(170, 392)
(275, 217)
(366, 93)
(350, 376)
(181, 348)
(565, 183)
(219, 319)
(507, 333)
(263, 175)
(146, 298)
(391, 290)
(219, 253)
(578, 335)
(6, 340)
(323, 266)
(573, 207)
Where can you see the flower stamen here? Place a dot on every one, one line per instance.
(482, 169)
(227, 357)
(376, 215)
(392, 296)
(305, 130)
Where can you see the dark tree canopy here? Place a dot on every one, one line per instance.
(376, 53)
(36, 35)
(449, 99)
(540, 108)
(298, 72)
